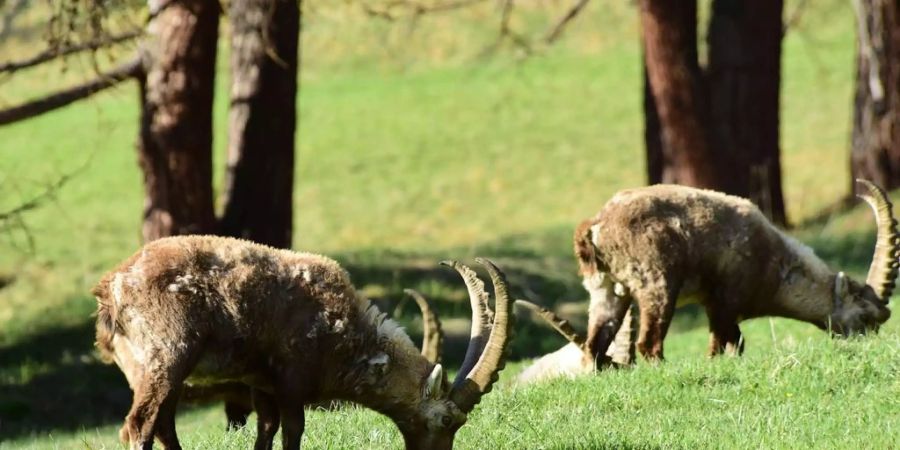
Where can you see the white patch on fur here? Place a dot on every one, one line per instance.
(183, 283)
(387, 328)
(600, 286)
(117, 290)
(380, 358)
(595, 235)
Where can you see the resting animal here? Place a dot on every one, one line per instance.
(211, 310)
(665, 245)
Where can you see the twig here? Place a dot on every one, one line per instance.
(560, 26)
(70, 95)
(416, 9)
(53, 53)
(506, 32)
(16, 212)
(794, 18)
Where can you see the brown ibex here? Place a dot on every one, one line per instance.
(665, 245)
(238, 396)
(211, 310)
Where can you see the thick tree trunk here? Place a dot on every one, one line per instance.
(743, 80)
(653, 136)
(669, 29)
(718, 128)
(175, 143)
(260, 174)
(876, 120)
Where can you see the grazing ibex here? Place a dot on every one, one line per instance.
(211, 310)
(238, 396)
(661, 244)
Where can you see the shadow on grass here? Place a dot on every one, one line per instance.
(52, 380)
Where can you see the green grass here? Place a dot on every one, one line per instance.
(415, 148)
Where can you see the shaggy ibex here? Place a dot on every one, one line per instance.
(661, 244)
(238, 396)
(291, 325)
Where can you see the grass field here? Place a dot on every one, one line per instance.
(414, 147)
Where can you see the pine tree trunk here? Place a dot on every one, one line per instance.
(175, 142)
(652, 135)
(875, 154)
(669, 31)
(743, 81)
(260, 173)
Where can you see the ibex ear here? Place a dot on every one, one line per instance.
(841, 286)
(434, 385)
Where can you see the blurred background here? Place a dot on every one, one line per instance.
(392, 134)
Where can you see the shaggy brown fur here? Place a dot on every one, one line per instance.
(669, 245)
(209, 310)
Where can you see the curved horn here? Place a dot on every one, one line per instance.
(432, 334)
(481, 316)
(558, 323)
(883, 270)
(470, 386)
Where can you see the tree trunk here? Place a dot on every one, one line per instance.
(875, 154)
(717, 128)
(260, 173)
(653, 136)
(669, 29)
(743, 80)
(175, 143)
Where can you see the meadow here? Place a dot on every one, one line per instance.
(417, 144)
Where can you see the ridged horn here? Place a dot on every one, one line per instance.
(470, 386)
(432, 333)
(561, 325)
(883, 270)
(481, 317)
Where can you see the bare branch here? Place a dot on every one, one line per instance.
(70, 95)
(560, 26)
(53, 53)
(795, 16)
(506, 32)
(415, 9)
(38, 200)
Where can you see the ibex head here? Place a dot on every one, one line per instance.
(443, 407)
(862, 307)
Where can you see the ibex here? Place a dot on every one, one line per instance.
(211, 310)
(238, 396)
(665, 245)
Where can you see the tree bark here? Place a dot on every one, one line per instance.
(669, 31)
(258, 202)
(743, 78)
(717, 128)
(653, 136)
(175, 142)
(875, 153)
